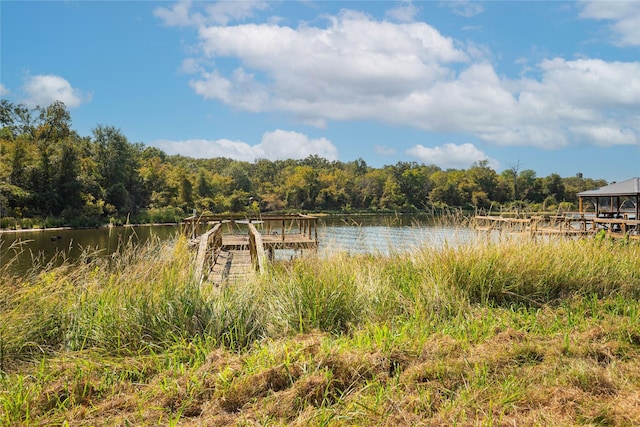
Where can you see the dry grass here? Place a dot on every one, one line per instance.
(510, 378)
(516, 333)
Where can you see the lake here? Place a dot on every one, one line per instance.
(381, 234)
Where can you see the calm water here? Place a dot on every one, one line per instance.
(25, 249)
(382, 234)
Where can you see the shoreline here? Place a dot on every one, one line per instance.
(27, 230)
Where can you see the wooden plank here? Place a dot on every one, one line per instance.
(231, 266)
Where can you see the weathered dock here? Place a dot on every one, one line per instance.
(561, 225)
(232, 249)
(613, 209)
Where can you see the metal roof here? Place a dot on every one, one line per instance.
(630, 187)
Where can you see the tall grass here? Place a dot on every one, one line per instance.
(147, 299)
(440, 330)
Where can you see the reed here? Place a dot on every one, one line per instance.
(487, 332)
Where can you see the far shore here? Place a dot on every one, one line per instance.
(25, 230)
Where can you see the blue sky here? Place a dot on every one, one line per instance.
(545, 85)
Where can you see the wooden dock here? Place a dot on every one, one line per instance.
(232, 249)
(561, 225)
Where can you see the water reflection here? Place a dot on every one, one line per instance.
(24, 250)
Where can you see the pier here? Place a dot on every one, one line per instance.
(229, 250)
(569, 224)
(613, 209)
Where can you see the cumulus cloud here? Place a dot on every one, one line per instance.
(451, 155)
(409, 74)
(45, 89)
(281, 144)
(205, 148)
(376, 61)
(275, 145)
(622, 15)
(3, 90)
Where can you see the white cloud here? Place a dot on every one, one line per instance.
(225, 11)
(376, 60)
(406, 12)
(43, 90)
(242, 90)
(465, 8)
(451, 155)
(276, 145)
(3, 90)
(384, 151)
(179, 15)
(409, 74)
(219, 13)
(623, 15)
(281, 144)
(204, 148)
(592, 83)
(606, 135)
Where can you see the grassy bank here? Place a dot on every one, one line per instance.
(515, 332)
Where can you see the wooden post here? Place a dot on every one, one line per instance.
(580, 206)
(611, 205)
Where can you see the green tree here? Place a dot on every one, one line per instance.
(446, 189)
(186, 191)
(392, 197)
(302, 187)
(117, 162)
(239, 174)
(553, 189)
(371, 188)
(68, 184)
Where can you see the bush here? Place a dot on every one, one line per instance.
(8, 222)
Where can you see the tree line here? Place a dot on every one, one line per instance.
(50, 173)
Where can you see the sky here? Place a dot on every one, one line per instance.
(549, 86)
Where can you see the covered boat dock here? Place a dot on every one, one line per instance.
(614, 209)
(620, 200)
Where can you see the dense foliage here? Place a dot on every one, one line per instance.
(49, 172)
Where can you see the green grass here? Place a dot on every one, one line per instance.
(513, 332)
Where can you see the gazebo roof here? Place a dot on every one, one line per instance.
(630, 187)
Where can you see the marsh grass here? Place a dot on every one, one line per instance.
(482, 333)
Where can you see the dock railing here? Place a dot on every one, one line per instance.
(287, 225)
(208, 250)
(265, 235)
(256, 248)
(191, 225)
(567, 224)
(613, 226)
